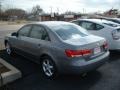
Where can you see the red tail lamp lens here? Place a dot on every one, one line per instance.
(77, 53)
(105, 45)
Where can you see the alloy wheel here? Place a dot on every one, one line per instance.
(48, 67)
(8, 49)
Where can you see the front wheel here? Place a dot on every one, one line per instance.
(8, 49)
(48, 67)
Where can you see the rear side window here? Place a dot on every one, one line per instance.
(24, 31)
(91, 26)
(75, 22)
(88, 25)
(39, 32)
(98, 27)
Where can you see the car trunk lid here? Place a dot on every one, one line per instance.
(93, 43)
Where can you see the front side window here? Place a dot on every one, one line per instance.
(24, 31)
(39, 32)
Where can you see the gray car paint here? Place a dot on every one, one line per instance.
(55, 48)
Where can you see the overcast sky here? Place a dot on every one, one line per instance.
(64, 5)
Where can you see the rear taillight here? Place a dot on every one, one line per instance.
(115, 35)
(77, 53)
(105, 45)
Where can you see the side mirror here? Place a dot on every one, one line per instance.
(14, 34)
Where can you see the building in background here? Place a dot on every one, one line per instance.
(112, 13)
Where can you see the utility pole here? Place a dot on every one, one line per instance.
(83, 10)
(0, 9)
(58, 10)
(51, 10)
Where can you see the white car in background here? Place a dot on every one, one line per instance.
(115, 20)
(103, 28)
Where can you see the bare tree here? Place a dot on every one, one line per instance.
(15, 12)
(36, 10)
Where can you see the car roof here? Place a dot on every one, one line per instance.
(52, 23)
(114, 18)
(117, 19)
(99, 21)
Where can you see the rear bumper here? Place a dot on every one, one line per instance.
(82, 66)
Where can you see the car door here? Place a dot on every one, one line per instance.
(18, 41)
(93, 28)
(38, 39)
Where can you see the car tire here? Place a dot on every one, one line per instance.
(8, 49)
(48, 67)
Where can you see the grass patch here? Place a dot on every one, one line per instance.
(3, 68)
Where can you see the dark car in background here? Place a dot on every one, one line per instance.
(59, 47)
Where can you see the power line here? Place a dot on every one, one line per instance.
(0, 6)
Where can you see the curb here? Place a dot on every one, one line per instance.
(9, 76)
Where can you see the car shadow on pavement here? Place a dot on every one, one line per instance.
(32, 78)
(114, 56)
(78, 82)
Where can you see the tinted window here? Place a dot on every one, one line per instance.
(69, 31)
(88, 25)
(39, 32)
(24, 31)
(76, 22)
(98, 27)
(91, 26)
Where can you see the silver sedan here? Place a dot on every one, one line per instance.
(59, 47)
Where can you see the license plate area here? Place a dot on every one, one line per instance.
(97, 50)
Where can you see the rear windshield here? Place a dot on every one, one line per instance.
(70, 31)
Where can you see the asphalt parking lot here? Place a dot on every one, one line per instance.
(106, 77)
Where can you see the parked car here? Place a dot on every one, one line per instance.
(103, 28)
(60, 47)
(115, 20)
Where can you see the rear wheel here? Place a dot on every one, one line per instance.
(48, 67)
